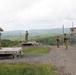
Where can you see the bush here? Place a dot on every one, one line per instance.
(8, 43)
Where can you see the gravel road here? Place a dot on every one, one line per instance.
(65, 60)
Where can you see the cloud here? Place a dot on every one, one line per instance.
(36, 14)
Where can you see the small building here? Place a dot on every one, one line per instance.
(72, 38)
(73, 30)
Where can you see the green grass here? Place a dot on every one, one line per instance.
(36, 50)
(26, 69)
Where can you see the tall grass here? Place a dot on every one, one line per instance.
(36, 50)
(26, 69)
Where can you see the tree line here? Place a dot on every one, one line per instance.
(45, 39)
(9, 43)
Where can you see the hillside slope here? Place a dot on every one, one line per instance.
(35, 32)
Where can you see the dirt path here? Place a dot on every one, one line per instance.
(65, 60)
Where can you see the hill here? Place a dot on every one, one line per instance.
(35, 32)
(49, 31)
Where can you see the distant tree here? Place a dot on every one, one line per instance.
(8, 43)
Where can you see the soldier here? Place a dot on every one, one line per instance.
(58, 41)
(66, 40)
(26, 36)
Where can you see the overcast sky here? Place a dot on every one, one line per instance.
(37, 14)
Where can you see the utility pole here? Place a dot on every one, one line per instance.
(20, 37)
(72, 24)
(63, 29)
(0, 36)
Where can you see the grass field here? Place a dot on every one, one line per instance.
(36, 50)
(26, 69)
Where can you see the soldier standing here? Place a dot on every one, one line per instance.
(58, 41)
(26, 36)
(66, 40)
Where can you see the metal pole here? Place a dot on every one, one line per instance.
(20, 37)
(0, 40)
(63, 29)
(63, 33)
(72, 24)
